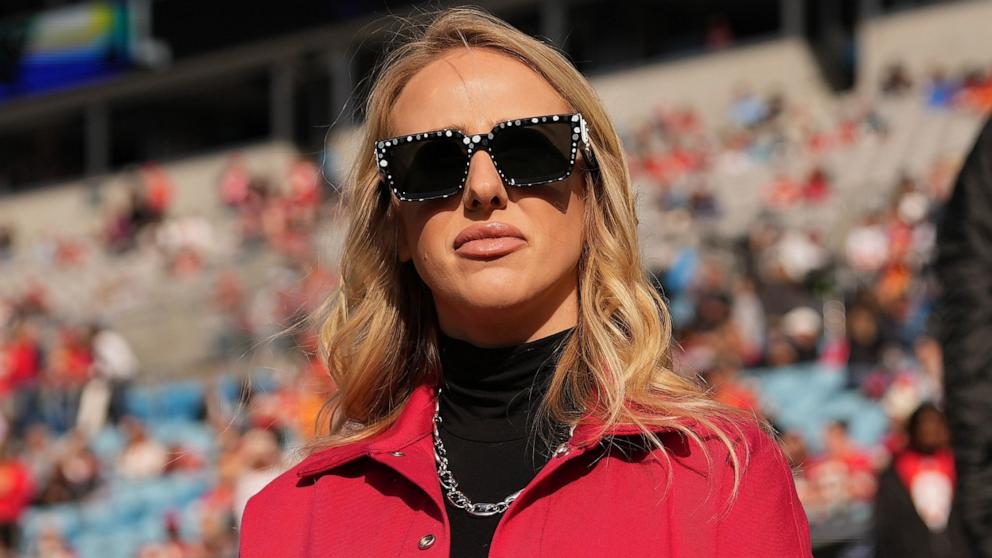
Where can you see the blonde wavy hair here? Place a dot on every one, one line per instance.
(379, 332)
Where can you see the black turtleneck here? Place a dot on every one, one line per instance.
(489, 398)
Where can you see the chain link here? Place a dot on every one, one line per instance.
(450, 485)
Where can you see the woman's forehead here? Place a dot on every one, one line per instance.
(472, 90)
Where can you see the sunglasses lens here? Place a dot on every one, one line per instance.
(428, 168)
(532, 154)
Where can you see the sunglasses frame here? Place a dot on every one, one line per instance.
(475, 142)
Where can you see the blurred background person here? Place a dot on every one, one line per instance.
(913, 507)
(17, 485)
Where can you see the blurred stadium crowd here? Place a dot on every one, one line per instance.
(95, 464)
(819, 315)
(795, 293)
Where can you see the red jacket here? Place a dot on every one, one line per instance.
(381, 497)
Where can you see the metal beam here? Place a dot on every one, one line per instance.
(281, 105)
(342, 85)
(554, 21)
(256, 57)
(793, 13)
(97, 144)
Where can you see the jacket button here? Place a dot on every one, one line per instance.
(426, 542)
(397, 454)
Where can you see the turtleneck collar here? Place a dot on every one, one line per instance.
(491, 394)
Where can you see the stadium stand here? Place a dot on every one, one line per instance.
(781, 221)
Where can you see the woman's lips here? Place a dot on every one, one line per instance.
(488, 240)
(487, 248)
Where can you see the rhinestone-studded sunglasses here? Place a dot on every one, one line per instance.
(525, 151)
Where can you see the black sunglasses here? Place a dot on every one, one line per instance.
(525, 151)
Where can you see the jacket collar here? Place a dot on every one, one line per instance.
(416, 422)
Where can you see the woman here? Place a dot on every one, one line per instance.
(913, 507)
(503, 364)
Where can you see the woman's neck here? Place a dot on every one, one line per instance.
(491, 394)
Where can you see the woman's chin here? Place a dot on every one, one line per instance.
(495, 299)
(481, 294)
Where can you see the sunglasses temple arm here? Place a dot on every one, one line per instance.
(586, 143)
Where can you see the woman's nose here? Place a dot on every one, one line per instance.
(483, 186)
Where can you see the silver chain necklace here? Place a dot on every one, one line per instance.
(450, 485)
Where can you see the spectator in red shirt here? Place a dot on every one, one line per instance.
(20, 370)
(913, 510)
(23, 356)
(304, 183)
(235, 182)
(16, 490)
(728, 388)
(158, 189)
(817, 185)
(843, 474)
(75, 356)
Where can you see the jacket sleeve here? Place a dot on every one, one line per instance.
(964, 308)
(766, 518)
